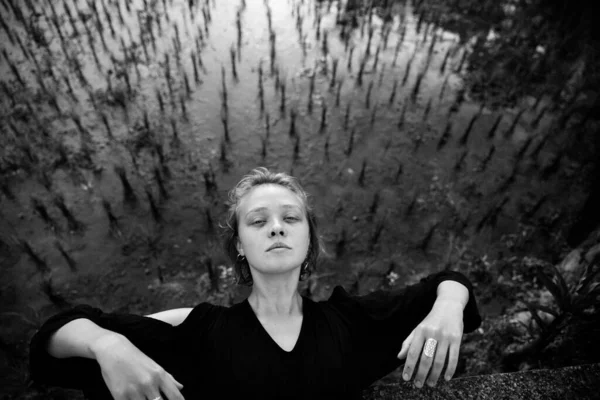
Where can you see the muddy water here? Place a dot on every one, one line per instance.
(429, 204)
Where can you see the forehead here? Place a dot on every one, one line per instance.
(269, 196)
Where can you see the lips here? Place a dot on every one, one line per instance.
(278, 245)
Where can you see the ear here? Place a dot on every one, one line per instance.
(238, 246)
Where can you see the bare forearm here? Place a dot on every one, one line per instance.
(80, 338)
(452, 291)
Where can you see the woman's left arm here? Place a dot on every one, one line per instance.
(443, 324)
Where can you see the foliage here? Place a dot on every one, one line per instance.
(576, 301)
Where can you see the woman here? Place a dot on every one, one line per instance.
(275, 344)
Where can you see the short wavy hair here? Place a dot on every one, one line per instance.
(262, 176)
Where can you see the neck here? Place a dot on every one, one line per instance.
(275, 301)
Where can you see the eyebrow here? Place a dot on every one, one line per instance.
(258, 209)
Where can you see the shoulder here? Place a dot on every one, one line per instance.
(202, 316)
(342, 305)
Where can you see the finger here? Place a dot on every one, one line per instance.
(152, 394)
(171, 391)
(424, 366)
(405, 345)
(413, 354)
(438, 362)
(452, 360)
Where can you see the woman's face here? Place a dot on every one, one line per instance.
(270, 214)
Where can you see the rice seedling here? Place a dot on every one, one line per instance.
(402, 116)
(443, 89)
(373, 115)
(292, 131)
(465, 136)
(363, 172)
(399, 172)
(487, 158)
(460, 160)
(368, 95)
(340, 245)
(381, 75)
(333, 73)
(296, 148)
(374, 204)
(350, 146)
(494, 127)
(424, 243)
(376, 234)
(40, 263)
(73, 223)
(349, 63)
(445, 136)
(376, 61)
(70, 261)
(406, 72)
(210, 225)
(338, 92)
(128, 192)
(415, 91)
(154, 209)
(347, 116)
(509, 132)
(41, 210)
(323, 117)
(233, 67)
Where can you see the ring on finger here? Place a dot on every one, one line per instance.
(430, 346)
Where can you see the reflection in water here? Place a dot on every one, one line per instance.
(143, 113)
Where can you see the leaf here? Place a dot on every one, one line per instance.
(562, 284)
(547, 310)
(552, 287)
(587, 299)
(533, 310)
(587, 278)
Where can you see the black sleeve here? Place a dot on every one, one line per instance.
(386, 318)
(153, 337)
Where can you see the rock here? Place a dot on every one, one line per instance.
(526, 318)
(578, 382)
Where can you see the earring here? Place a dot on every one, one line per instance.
(304, 267)
(240, 258)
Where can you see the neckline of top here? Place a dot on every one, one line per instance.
(305, 313)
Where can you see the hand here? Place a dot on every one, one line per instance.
(131, 375)
(444, 323)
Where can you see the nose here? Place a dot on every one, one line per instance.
(276, 228)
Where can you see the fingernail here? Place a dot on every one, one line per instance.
(447, 377)
(406, 376)
(418, 384)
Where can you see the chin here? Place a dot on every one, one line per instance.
(279, 268)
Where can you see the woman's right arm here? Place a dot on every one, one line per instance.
(83, 346)
(79, 338)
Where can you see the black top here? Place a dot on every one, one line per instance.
(345, 344)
